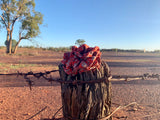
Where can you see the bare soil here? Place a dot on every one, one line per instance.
(17, 102)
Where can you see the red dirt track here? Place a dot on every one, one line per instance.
(17, 102)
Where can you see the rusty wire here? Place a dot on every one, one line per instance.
(75, 82)
(143, 77)
(36, 75)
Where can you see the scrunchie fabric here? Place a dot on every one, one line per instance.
(81, 59)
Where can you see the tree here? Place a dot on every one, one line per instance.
(23, 12)
(14, 42)
(80, 41)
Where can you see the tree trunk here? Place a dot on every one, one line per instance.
(7, 46)
(16, 47)
(87, 101)
(10, 44)
(10, 39)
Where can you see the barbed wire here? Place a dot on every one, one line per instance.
(143, 77)
(36, 75)
(27, 77)
(75, 82)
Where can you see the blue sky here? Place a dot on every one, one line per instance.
(124, 24)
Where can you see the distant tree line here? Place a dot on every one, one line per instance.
(126, 50)
(157, 51)
(65, 49)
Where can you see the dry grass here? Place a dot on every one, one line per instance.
(19, 103)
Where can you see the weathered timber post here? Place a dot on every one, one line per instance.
(86, 100)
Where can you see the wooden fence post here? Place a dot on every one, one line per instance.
(87, 101)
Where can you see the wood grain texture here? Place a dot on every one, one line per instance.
(86, 101)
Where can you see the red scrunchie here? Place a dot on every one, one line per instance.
(81, 59)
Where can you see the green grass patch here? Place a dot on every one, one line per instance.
(7, 68)
(3, 64)
(17, 66)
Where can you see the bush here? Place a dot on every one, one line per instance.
(14, 42)
(2, 47)
(59, 49)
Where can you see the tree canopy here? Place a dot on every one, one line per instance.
(23, 12)
(80, 41)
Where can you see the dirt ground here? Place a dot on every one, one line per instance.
(17, 102)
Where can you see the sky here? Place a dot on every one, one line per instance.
(123, 24)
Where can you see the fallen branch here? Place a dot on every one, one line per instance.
(119, 108)
(37, 113)
(54, 116)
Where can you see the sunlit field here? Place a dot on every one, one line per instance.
(17, 102)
